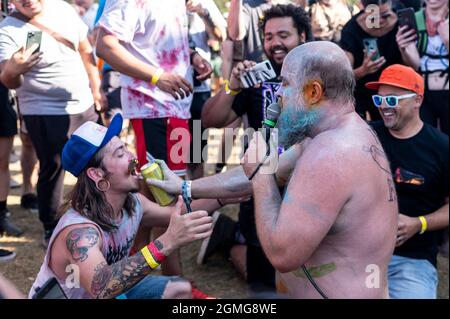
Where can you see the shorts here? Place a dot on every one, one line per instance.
(8, 117)
(167, 139)
(198, 102)
(151, 287)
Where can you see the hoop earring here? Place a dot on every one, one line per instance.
(102, 185)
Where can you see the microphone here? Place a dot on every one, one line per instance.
(272, 114)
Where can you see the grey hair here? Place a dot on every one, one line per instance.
(325, 61)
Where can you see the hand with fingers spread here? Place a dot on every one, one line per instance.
(407, 227)
(186, 228)
(240, 68)
(369, 65)
(175, 85)
(405, 37)
(23, 60)
(171, 183)
(202, 67)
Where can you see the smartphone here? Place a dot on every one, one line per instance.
(50, 290)
(370, 44)
(32, 38)
(407, 17)
(259, 73)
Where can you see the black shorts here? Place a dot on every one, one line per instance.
(8, 117)
(197, 140)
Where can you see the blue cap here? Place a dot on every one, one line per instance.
(86, 141)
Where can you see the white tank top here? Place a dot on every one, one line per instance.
(116, 245)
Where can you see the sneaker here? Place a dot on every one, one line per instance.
(198, 294)
(29, 201)
(6, 255)
(46, 239)
(7, 227)
(222, 237)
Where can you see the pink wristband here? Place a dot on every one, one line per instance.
(156, 253)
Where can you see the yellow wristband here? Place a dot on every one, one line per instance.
(149, 258)
(157, 75)
(228, 91)
(423, 221)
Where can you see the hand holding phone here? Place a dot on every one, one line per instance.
(371, 47)
(407, 17)
(257, 74)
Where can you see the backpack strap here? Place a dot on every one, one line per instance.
(422, 42)
(58, 37)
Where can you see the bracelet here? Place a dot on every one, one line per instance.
(152, 255)
(159, 256)
(220, 202)
(229, 91)
(186, 194)
(423, 221)
(149, 258)
(157, 75)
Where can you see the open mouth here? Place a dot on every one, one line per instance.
(132, 167)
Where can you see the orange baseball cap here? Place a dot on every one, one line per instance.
(401, 76)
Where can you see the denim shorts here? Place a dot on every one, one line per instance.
(151, 287)
(410, 278)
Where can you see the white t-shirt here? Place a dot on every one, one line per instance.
(437, 48)
(58, 84)
(156, 32)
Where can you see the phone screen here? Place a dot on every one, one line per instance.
(371, 45)
(34, 37)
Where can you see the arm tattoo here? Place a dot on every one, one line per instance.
(79, 240)
(111, 281)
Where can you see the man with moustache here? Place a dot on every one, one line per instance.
(284, 27)
(94, 236)
(338, 216)
(418, 156)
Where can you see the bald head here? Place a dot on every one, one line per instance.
(325, 62)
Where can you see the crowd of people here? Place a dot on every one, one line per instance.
(357, 206)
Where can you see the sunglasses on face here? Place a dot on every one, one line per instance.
(390, 100)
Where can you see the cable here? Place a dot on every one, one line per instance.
(311, 280)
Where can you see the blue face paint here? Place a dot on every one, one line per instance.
(294, 125)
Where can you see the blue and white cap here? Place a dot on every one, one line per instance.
(86, 141)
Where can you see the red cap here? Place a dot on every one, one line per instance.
(400, 76)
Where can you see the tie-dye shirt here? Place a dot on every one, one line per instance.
(155, 32)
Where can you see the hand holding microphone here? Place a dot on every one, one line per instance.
(251, 155)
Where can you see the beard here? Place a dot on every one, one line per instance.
(294, 125)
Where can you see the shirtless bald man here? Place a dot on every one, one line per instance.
(339, 213)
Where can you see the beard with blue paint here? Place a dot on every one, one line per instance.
(294, 125)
